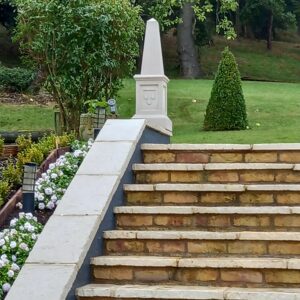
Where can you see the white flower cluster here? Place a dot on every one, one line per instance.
(53, 184)
(15, 245)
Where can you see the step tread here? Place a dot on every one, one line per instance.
(192, 187)
(188, 210)
(186, 292)
(202, 235)
(223, 147)
(201, 262)
(214, 166)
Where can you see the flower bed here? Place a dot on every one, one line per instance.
(17, 241)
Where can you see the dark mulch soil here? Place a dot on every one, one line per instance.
(42, 98)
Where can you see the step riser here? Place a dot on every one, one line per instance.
(198, 276)
(212, 198)
(221, 157)
(217, 176)
(199, 248)
(228, 222)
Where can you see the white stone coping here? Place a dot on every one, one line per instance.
(189, 210)
(215, 187)
(199, 262)
(201, 235)
(213, 166)
(187, 292)
(58, 254)
(223, 147)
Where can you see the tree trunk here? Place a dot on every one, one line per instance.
(270, 31)
(188, 54)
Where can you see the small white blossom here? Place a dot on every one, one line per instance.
(13, 244)
(42, 206)
(48, 191)
(2, 242)
(6, 287)
(10, 273)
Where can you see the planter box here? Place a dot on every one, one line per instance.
(9, 150)
(10, 205)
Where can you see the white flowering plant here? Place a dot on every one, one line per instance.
(15, 246)
(53, 184)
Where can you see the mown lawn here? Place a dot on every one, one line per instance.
(273, 109)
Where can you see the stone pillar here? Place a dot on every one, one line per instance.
(151, 84)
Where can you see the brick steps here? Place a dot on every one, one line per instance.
(217, 173)
(266, 218)
(213, 194)
(221, 271)
(205, 222)
(193, 153)
(128, 292)
(201, 243)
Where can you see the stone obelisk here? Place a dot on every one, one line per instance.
(151, 84)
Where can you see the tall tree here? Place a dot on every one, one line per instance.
(266, 15)
(184, 13)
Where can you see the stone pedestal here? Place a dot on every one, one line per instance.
(151, 84)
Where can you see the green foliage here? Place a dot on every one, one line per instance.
(226, 109)
(15, 79)
(23, 142)
(84, 46)
(1, 145)
(12, 174)
(4, 191)
(92, 105)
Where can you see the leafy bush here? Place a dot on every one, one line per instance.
(12, 174)
(23, 142)
(226, 109)
(4, 191)
(15, 79)
(1, 144)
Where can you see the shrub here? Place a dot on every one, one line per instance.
(15, 79)
(12, 174)
(23, 142)
(226, 109)
(4, 191)
(1, 145)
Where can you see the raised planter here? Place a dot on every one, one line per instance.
(10, 205)
(9, 150)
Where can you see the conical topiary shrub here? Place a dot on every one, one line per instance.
(226, 109)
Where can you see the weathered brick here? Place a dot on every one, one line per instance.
(143, 197)
(287, 221)
(259, 157)
(256, 198)
(246, 276)
(223, 176)
(284, 248)
(251, 221)
(288, 176)
(152, 177)
(192, 157)
(288, 198)
(282, 276)
(247, 247)
(226, 157)
(206, 247)
(186, 177)
(180, 197)
(196, 275)
(174, 246)
(134, 220)
(290, 157)
(154, 247)
(118, 246)
(113, 273)
(159, 157)
(176, 221)
(152, 275)
(257, 176)
(218, 198)
(218, 221)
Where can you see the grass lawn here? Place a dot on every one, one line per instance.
(273, 109)
(25, 117)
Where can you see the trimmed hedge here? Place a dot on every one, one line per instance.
(15, 79)
(226, 109)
